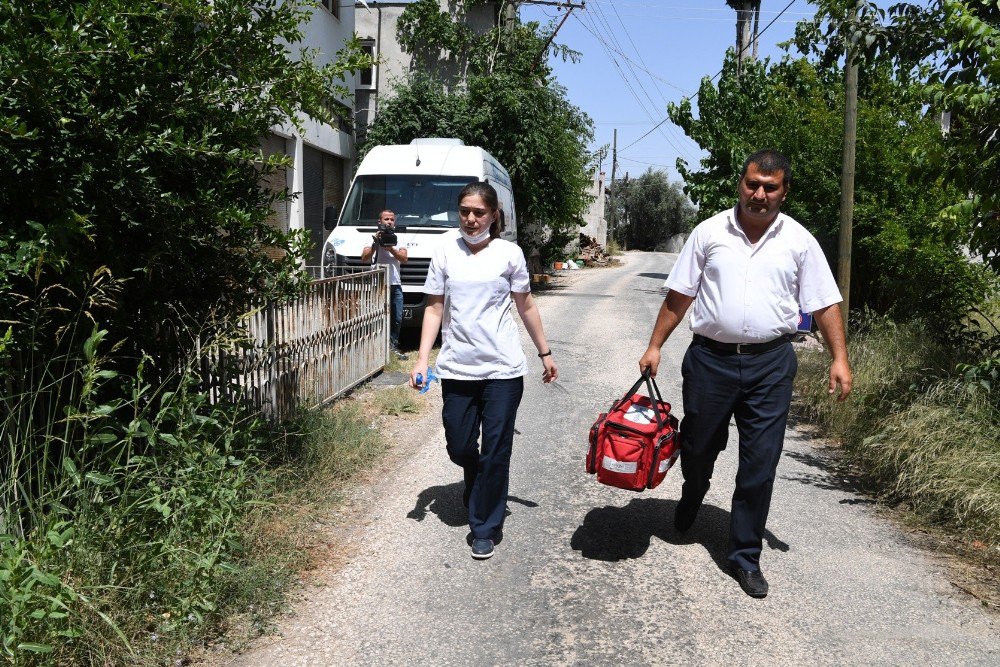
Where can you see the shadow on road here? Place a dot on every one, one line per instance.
(445, 500)
(830, 475)
(619, 533)
(655, 276)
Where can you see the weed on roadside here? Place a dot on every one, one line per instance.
(397, 401)
(924, 433)
(137, 526)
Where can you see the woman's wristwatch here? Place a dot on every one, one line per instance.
(545, 354)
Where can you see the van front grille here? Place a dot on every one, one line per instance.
(414, 271)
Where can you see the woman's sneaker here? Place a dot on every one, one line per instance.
(482, 548)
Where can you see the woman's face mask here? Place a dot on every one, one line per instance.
(474, 239)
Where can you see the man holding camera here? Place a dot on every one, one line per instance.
(386, 253)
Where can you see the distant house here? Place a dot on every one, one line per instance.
(377, 24)
(322, 155)
(595, 224)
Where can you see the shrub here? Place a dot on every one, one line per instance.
(130, 142)
(121, 513)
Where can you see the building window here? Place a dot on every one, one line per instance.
(333, 6)
(366, 77)
(342, 116)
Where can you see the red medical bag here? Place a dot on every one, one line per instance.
(635, 443)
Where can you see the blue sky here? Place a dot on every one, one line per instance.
(670, 46)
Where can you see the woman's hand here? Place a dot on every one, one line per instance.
(550, 373)
(420, 368)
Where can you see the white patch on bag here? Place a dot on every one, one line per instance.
(640, 414)
(665, 464)
(625, 467)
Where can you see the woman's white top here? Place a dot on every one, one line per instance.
(479, 338)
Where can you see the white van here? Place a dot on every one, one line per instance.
(420, 183)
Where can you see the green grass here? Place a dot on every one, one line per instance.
(142, 520)
(397, 401)
(918, 429)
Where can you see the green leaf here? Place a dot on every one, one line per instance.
(100, 479)
(34, 648)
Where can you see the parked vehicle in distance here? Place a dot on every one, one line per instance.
(420, 183)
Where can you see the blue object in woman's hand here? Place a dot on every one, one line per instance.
(426, 386)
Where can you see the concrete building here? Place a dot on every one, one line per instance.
(377, 24)
(322, 155)
(596, 225)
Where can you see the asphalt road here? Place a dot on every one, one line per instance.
(589, 575)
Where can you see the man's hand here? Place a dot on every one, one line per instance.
(840, 373)
(550, 372)
(650, 360)
(831, 325)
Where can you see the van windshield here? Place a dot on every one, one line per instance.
(419, 201)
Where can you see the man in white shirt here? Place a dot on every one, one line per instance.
(747, 271)
(392, 257)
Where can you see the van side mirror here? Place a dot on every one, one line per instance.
(329, 217)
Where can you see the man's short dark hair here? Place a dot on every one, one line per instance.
(769, 161)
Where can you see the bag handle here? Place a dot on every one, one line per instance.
(651, 389)
(654, 388)
(654, 397)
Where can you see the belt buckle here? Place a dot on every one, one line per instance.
(739, 348)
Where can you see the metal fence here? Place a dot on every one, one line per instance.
(308, 351)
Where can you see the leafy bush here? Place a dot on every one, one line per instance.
(130, 142)
(120, 513)
(134, 526)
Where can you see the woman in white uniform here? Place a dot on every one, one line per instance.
(469, 286)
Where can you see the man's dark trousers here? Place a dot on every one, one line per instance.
(757, 389)
(489, 406)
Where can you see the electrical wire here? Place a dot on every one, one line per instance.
(669, 128)
(745, 47)
(609, 48)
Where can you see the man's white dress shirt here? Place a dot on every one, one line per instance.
(751, 293)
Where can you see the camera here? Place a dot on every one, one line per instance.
(386, 236)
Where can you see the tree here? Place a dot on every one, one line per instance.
(950, 48)
(796, 107)
(129, 149)
(651, 210)
(507, 103)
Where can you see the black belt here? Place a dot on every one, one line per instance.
(742, 348)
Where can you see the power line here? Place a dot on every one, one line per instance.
(625, 57)
(670, 128)
(638, 81)
(625, 79)
(745, 46)
(646, 5)
(609, 48)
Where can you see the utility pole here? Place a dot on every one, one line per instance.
(847, 176)
(569, 7)
(509, 16)
(614, 194)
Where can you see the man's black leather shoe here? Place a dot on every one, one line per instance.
(753, 583)
(685, 514)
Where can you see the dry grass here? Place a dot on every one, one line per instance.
(923, 436)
